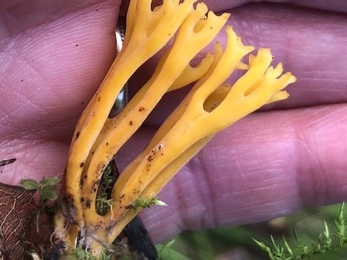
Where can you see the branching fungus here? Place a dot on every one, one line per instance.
(210, 106)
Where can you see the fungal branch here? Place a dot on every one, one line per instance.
(210, 106)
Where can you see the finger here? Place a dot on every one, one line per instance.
(222, 5)
(36, 10)
(51, 68)
(311, 44)
(328, 5)
(265, 166)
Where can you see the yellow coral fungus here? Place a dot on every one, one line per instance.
(210, 106)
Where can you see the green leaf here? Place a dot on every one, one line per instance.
(290, 251)
(29, 184)
(265, 248)
(146, 203)
(170, 253)
(341, 226)
(326, 233)
(52, 181)
(48, 194)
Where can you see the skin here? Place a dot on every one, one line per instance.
(286, 157)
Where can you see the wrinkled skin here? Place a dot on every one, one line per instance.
(54, 56)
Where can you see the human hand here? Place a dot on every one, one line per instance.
(268, 164)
